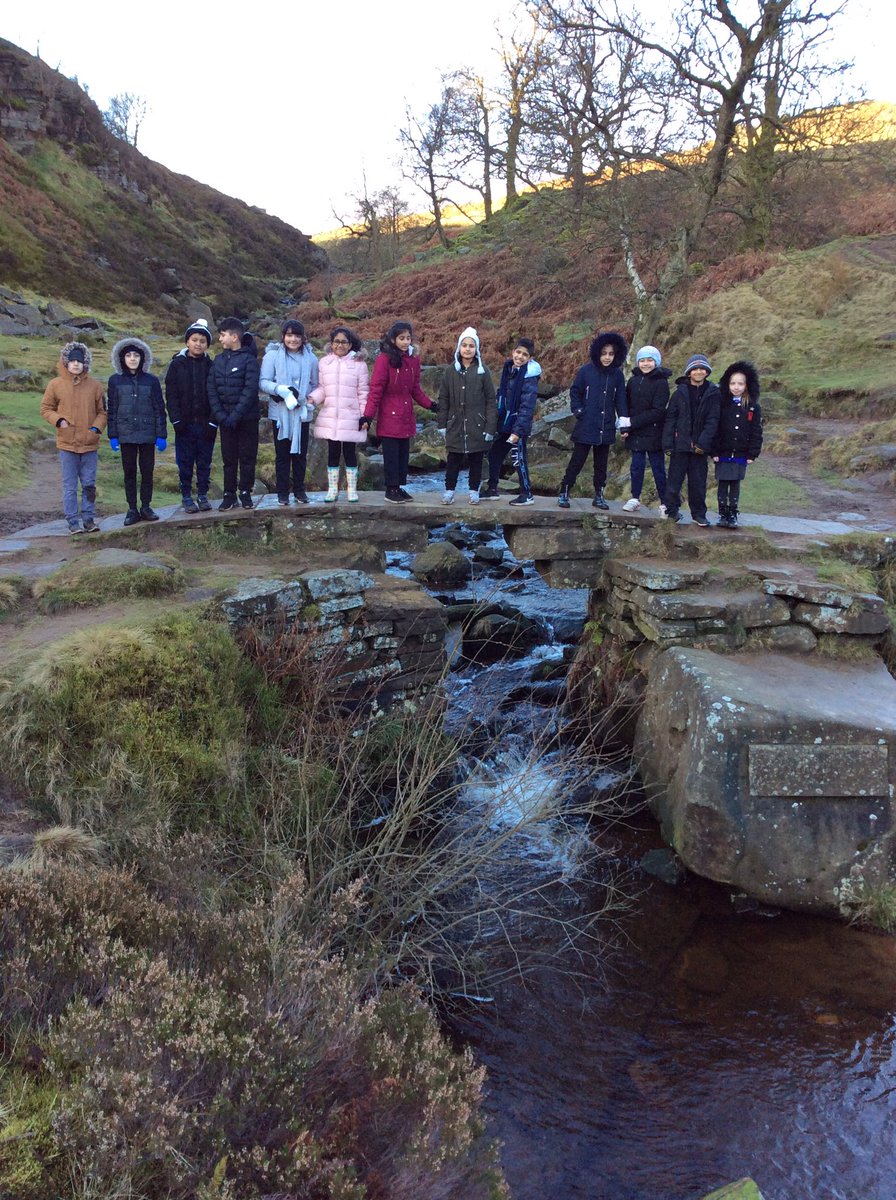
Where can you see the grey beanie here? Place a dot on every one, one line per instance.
(698, 360)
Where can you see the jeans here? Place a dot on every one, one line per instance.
(239, 449)
(657, 466)
(132, 454)
(578, 459)
(396, 452)
(289, 467)
(78, 468)
(693, 467)
(194, 446)
(474, 469)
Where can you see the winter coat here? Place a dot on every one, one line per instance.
(739, 434)
(692, 418)
(597, 396)
(468, 406)
(135, 402)
(233, 385)
(648, 396)
(393, 392)
(341, 396)
(281, 366)
(517, 397)
(79, 400)
(186, 389)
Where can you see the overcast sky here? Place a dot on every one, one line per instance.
(287, 105)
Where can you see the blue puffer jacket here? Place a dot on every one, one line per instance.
(597, 396)
(517, 397)
(233, 385)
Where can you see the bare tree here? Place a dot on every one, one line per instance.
(521, 58)
(374, 227)
(433, 156)
(125, 115)
(478, 132)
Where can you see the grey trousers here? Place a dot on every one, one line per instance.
(78, 468)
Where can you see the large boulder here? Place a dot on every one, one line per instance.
(774, 774)
(442, 565)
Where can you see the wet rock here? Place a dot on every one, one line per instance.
(664, 865)
(496, 636)
(488, 554)
(567, 627)
(441, 564)
(773, 774)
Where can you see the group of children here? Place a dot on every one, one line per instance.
(205, 397)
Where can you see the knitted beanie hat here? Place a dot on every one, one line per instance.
(698, 360)
(200, 326)
(471, 333)
(650, 352)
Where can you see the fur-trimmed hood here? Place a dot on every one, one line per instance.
(65, 353)
(744, 367)
(620, 349)
(360, 355)
(117, 360)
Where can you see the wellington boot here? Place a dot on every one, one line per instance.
(332, 485)
(351, 477)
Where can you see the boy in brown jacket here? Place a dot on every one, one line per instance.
(74, 404)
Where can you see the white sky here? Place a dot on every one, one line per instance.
(286, 105)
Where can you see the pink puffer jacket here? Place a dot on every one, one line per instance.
(340, 396)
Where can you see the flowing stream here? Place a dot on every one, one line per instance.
(713, 1040)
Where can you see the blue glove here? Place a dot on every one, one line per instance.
(161, 444)
(489, 437)
(114, 443)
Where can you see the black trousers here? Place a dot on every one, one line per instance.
(578, 459)
(134, 454)
(346, 450)
(239, 450)
(288, 466)
(396, 452)
(693, 467)
(456, 462)
(498, 451)
(729, 492)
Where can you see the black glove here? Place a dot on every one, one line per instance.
(364, 423)
(434, 408)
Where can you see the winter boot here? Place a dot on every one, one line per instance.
(351, 479)
(332, 485)
(732, 517)
(563, 498)
(599, 501)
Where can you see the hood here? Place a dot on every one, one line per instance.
(130, 341)
(620, 349)
(469, 332)
(61, 368)
(248, 343)
(533, 369)
(745, 368)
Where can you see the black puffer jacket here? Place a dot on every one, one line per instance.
(186, 389)
(597, 396)
(692, 418)
(648, 396)
(740, 425)
(233, 385)
(135, 402)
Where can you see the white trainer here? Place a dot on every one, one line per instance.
(448, 498)
(631, 505)
(662, 510)
(474, 496)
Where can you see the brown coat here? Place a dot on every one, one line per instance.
(79, 399)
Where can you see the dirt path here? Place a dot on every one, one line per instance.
(41, 500)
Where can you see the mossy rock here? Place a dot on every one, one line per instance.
(109, 574)
(442, 564)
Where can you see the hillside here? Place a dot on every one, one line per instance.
(86, 216)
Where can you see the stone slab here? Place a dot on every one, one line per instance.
(813, 770)
(829, 619)
(822, 593)
(655, 575)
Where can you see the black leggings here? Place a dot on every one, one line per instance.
(578, 459)
(287, 464)
(729, 492)
(346, 450)
(132, 454)
(453, 469)
(396, 452)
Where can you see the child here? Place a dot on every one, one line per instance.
(517, 397)
(689, 431)
(73, 403)
(186, 393)
(739, 438)
(342, 395)
(233, 399)
(647, 392)
(467, 401)
(394, 387)
(599, 405)
(137, 425)
(288, 374)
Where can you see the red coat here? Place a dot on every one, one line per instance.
(393, 391)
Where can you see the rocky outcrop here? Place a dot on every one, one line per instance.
(774, 774)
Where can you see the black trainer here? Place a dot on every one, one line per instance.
(229, 501)
(519, 501)
(190, 505)
(90, 526)
(202, 503)
(283, 500)
(302, 497)
(599, 501)
(491, 493)
(148, 514)
(406, 497)
(246, 499)
(393, 496)
(131, 517)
